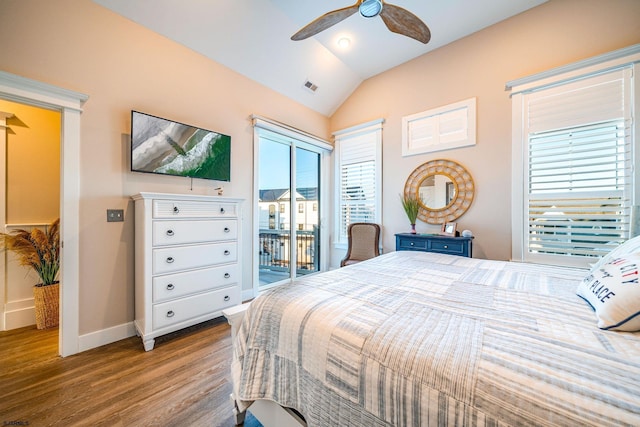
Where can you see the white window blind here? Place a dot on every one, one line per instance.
(578, 166)
(358, 177)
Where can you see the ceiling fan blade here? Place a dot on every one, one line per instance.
(403, 22)
(325, 21)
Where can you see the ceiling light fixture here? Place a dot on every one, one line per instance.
(370, 8)
(343, 42)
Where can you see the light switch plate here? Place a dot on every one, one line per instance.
(115, 215)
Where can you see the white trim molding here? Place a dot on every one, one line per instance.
(597, 64)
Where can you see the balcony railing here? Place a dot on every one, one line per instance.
(275, 250)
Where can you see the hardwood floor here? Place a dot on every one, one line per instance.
(184, 381)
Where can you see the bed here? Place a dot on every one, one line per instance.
(417, 339)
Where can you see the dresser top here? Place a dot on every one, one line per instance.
(190, 197)
(432, 236)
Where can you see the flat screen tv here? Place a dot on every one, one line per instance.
(171, 148)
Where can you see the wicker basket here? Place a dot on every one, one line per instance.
(47, 303)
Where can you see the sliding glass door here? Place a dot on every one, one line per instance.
(289, 206)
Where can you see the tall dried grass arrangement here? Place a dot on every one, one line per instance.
(411, 206)
(37, 249)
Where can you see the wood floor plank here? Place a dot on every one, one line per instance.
(185, 380)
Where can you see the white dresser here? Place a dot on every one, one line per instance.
(187, 262)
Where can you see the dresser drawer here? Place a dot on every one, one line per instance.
(177, 285)
(193, 209)
(447, 247)
(180, 232)
(169, 260)
(411, 244)
(180, 310)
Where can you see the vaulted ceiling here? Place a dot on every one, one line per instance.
(252, 37)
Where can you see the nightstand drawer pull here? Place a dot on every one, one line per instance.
(227, 275)
(221, 210)
(170, 313)
(170, 260)
(412, 243)
(169, 232)
(446, 246)
(227, 252)
(227, 229)
(170, 287)
(176, 210)
(227, 298)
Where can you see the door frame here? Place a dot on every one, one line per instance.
(69, 104)
(4, 115)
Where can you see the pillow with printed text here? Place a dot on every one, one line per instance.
(613, 291)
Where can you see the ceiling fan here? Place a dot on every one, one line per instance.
(396, 19)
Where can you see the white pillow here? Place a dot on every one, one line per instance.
(626, 248)
(613, 291)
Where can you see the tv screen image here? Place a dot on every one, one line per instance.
(166, 147)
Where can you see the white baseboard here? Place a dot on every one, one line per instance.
(106, 336)
(18, 314)
(19, 318)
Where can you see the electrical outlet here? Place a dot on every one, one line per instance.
(115, 215)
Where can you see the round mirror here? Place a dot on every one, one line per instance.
(436, 191)
(444, 188)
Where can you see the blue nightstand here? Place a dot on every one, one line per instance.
(461, 246)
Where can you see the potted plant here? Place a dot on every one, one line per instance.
(40, 250)
(411, 206)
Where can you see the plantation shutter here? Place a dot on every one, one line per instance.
(579, 158)
(359, 180)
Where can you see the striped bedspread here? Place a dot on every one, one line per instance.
(418, 339)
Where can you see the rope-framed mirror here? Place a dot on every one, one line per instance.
(444, 189)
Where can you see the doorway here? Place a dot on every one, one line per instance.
(69, 104)
(291, 171)
(289, 211)
(30, 146)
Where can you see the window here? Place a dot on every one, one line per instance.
(443, 128)
(573, 148)
(358, 176)
(300, 207)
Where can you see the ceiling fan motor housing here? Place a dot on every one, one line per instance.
(370, 8)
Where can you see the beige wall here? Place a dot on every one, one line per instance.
(78, 45)
(554, 34)
(33, 164)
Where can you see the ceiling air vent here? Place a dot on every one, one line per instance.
(310, 86)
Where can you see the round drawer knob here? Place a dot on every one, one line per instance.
(170, 260)
(227, 297)
(176, 210)
(170, 313)
(221, 210)
(227, 275)
(446, 246)
(227, 252)
(169, 232)
(411, 243)
(227, 229)
(170, 287)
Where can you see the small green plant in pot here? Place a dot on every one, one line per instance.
(411, 207)
(39, 250)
